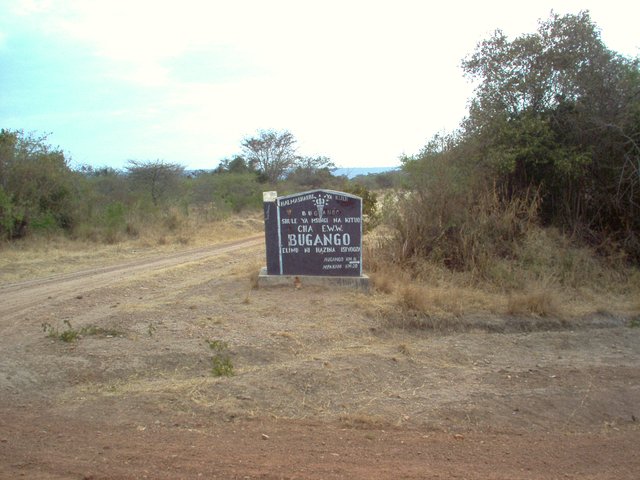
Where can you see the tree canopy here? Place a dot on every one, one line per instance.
(559, 112)
(272, 152)
(157, 177)
(36, 184)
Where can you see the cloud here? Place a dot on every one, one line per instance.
(360, 81)
(30, 7)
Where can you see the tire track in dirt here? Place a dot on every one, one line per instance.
(16, 298)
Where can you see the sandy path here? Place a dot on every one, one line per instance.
(15, 298)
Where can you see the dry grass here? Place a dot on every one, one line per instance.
(541, 304)
(362, 421)
(383, 282)
(42, 256)
(447, 301)
(541, 274)
(444, 301)
(308, 353)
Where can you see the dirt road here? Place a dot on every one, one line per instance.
(321, 386)
(16, 297)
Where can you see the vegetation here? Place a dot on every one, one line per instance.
(552, 139)
(221, 365)
(40, 194)
(558, 111)
(71, 334)
(37, 187)
(538, 188)
(533, 202)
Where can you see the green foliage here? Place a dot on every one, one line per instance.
(221, 365)
(68, 335)
(559, 111)
(71, 334)
(312, 172)
(236, 165)
(556, 113)
(43, 222)
(218, 345)
(370, 213)
(40, 194)
(272, 153)
(380, 181)
(114, 215)
(237, 191)
(11, 217)
(158, 178)
(38, 189)
(228, 191)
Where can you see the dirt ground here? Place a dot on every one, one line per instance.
(322, 386)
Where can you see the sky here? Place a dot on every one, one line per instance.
(361, 82)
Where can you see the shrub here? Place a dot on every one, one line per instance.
(463, 232)
(221, 365)
(370, 213)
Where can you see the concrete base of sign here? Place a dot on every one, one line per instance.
(301, 281)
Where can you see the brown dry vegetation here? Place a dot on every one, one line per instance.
(38, 256)
(317, 372)
(499, 262)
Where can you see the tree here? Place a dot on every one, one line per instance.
(272, 152)
(160, 179)
(559, 111)
(312, 172)
(235, 165)
(36, 185)
(564, 61)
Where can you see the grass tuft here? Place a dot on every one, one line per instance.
(71, 334)
(541, 304)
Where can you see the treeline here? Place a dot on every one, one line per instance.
(552, 138)
(41, 193)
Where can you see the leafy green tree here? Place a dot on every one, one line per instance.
(235, 165)
(559, 111)
(273, 153)
(237, 191)
(369, 203)
(38, 187)
(312, 172)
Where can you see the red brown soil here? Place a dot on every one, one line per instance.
(322, 388)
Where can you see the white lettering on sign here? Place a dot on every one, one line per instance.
(325, 250)
(332, 266)
(311, 240)
(291, 201)
(319, 233)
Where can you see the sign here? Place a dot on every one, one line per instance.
(314, 233)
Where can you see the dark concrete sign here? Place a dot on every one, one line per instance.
(314, 233)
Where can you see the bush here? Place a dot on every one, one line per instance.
(38, 189)
(12, 223)
(371, 216)
(463, 230)
(236, 191)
